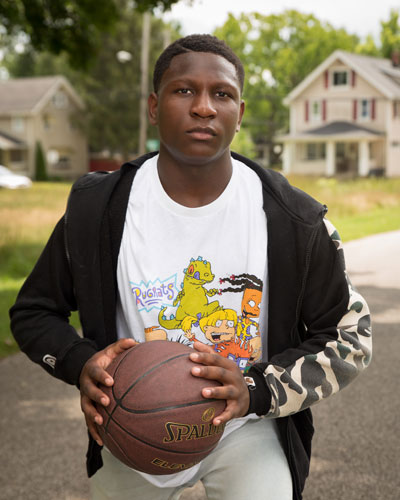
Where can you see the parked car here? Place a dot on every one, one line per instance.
(13, 181)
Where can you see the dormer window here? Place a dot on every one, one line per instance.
(340, 78)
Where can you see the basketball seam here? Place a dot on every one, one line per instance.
(166, 408)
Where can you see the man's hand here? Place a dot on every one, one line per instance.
(225, 371)
(94, 373)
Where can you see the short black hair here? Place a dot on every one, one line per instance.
(196, 43)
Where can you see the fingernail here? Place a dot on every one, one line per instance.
(196, 370)
(194, 356)
(97, 419)
(207, 392)
(108, 381)
(104, 401)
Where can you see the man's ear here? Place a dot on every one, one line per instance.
(152, 104)
(241, 112)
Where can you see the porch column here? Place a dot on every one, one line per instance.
(363, 158)
(287, 157)
(330, 159)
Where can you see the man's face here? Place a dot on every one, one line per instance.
(198, 107)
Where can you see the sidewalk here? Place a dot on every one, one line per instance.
(43, 436)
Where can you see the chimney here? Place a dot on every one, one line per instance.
(396, 58)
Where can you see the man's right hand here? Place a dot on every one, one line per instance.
(94, 373)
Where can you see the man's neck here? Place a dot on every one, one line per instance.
(194, 185)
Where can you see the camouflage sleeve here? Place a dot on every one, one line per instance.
(330, 357)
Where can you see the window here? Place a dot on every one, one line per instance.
(315, 151)
(340, 78)
(396, 109)
(60, 99)
(16, 156)
(365, 109)
(63, 163)
(46, 122)
(316, 111)
(17, 124)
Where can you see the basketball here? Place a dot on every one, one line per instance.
(157, 420)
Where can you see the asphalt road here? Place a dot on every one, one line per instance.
(356, 447)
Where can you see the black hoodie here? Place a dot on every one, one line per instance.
(319, 335)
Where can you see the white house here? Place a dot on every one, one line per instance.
(345, 118)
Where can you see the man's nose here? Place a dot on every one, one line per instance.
(202, 106)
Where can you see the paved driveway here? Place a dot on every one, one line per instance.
(357, 443)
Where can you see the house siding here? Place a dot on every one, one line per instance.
(339, 102)
(61, 136)
(393, 142)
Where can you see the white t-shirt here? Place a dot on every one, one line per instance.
(188, 274)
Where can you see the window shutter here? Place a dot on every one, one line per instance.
(373, 112)
(324, 110)
(353, 78)
(355, 109)
(306, 111)
(326, 78)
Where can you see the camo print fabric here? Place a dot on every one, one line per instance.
(316, 376)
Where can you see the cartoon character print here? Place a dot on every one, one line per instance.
(192, 300)
(232, 336)
(251, 286)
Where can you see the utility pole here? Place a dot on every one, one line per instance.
(144, 68)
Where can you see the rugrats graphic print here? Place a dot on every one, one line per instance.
(219, 311)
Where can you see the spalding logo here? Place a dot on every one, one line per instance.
(178, 432)
(208, 414)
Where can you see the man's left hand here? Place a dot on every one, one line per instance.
(233, 388)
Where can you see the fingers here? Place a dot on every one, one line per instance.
(94, 373)
(233, 387)
(199, 346)
(118, 347)
(92, 418)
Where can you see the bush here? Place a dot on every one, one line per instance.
(40, 164)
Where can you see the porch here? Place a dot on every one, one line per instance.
(339, 148)
(13, 153)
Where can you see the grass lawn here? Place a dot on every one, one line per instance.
(356, 207)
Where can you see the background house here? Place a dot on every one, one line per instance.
(42, 109)
(345, 118)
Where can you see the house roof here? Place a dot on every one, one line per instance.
(339, 130)
(380, 73)
(29, 95)
(9, 142)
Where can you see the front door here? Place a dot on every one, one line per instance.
(346, 158)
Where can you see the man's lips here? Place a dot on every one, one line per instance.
(202, 133)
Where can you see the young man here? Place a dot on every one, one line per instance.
(196, 213)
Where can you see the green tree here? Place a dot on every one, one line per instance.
(278, 52)
(71, 26)
(40, 164)
(390, 34)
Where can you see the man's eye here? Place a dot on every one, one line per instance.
(183, 91)
(222, 94)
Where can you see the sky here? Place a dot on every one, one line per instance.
(356, 16)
